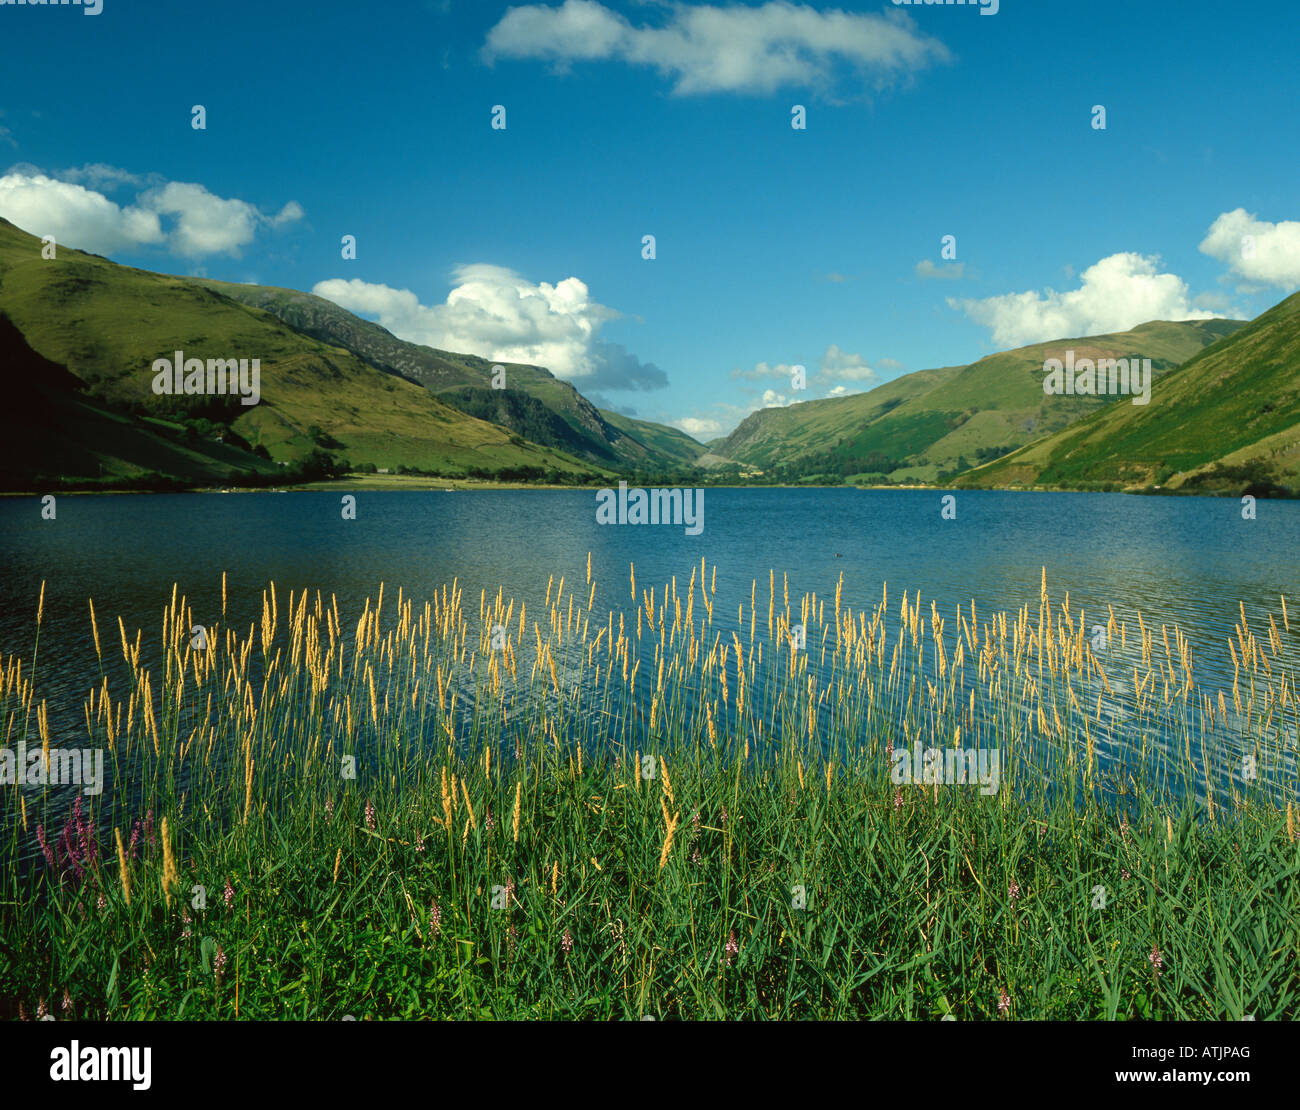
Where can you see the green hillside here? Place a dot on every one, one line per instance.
(54, 434)
(668, 446)
(535, 404)
(936, 422)
(1226, 420)
(104, 324)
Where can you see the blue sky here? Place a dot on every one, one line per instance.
(774, 246)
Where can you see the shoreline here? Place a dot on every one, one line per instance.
(413, 484)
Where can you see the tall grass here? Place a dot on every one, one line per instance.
(664, 812)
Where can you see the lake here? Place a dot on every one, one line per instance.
(1179, 561)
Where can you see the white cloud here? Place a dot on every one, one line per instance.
(838, 365)
(949, 271)
(204, 222)
(98, 175)
(74, 215)
(774, 400)
(186, 218)
(1115, 294)
(495, 313)
(706, 48)
(700, 428)
(1256, 249)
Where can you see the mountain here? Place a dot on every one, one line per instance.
(534, 404)
(94, 328)
(935, 422)
(668, 446)
(53, 432)
(1227, 420)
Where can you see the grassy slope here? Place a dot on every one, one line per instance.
(667, 445)
(571, 423)
(1237, 402)
(929, 420)
(107, 323)
(53, 432)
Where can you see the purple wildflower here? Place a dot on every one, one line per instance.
(45, 848)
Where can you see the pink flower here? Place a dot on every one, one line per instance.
(1004, 1001)
(566, 942)
(45, 848)
(219, 963)
(370, 815)
(435, 920)
(1156, 960)
(229, 894)
(732, 948)
(1013, 892)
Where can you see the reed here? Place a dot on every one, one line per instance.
(341, 782)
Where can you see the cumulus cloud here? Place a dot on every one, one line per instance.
(184, 217)
(497, 314)
(701, 428)
(1115, 294)
(949, 271)
(75, 215)
(708, 49)
(1255, 249)
(838, 365)
(205, 223)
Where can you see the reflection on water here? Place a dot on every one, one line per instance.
(1193, 563)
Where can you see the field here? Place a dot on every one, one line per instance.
(668, 811)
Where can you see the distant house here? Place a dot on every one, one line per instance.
(382, 470)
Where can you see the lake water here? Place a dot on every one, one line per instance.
(1183, 561)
